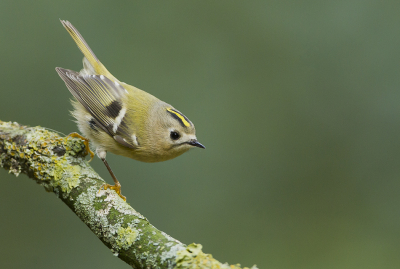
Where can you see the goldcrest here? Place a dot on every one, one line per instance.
(121, 119)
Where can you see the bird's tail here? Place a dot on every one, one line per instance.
(92, 65)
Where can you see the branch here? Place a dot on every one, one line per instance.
(57, 163)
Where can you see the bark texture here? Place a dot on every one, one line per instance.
(58, 164)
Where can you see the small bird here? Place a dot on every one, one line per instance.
(121, 119)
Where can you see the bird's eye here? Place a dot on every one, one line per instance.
(174, 135)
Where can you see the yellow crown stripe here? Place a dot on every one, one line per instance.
(180, 116)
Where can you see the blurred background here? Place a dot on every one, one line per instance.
(297, 102)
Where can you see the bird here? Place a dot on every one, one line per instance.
(122, 119)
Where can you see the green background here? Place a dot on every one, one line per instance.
(298, 103)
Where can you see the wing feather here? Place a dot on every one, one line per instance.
(102, 98)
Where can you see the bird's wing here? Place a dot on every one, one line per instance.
(102, 98)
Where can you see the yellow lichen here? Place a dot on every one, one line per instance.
(73, 180)
(126, 237)
(194, 257)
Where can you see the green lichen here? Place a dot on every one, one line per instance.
(98, 205)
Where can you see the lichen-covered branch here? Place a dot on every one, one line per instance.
(58, 164)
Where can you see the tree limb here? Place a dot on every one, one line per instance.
(57, 163)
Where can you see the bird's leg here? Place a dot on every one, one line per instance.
(117, 185)
(86, 142)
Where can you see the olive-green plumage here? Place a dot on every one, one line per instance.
(122, 119)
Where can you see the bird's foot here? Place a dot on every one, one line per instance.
(116, 188)
(86, 142)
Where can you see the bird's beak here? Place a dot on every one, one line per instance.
(195, 143)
